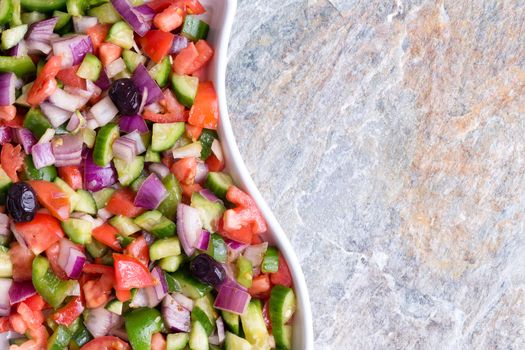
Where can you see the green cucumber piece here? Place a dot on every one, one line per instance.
(171, 263)
(115, 306)
(218, 183)
(189, 285)
(5, 183)
(206, 139)
(198, 337)
(199, 316)
(6, 10)
(148, 219)
(152, 156)
(177, 341)
(231, 320)
(194, 28)
(32, 17)
(16, 18)
(89, 137)
(72, 195)
(6, 266)
(254, 327)
(206, 305)
(209, 212)
(163, 248)
(81, 336)
(48, 173)
(90, 67)
(244, 272)
(217, 248)
(59, 340)
(234, 342)
(36, 122)
(128, 172)
(63, 19)
(102, 153)
(124, 225)
(165, 135)
(96, 249)
(12, 36)
(161, 72)
(132, 59)
(75, 7)
(78, 230)
(86, 203)
(43, 5)
(168, 207)
(135, 185)
(102, 197)
(121, 35)
(164, 228)
(185, 88)
(282, 307)
(124, 241)
(105, 13)
(21, 66)
(270, 263)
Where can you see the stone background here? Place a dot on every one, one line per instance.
(388, 137)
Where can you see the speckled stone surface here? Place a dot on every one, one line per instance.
(389, 138)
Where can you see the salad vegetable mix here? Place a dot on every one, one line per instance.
(119, 228)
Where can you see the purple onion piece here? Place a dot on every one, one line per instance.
(179, 42)
(20, 291)
(151, 193)
(176, 317)
(143, 80)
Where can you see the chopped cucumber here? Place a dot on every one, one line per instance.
(218, 183)
(198, 337)
(36, 122)
(105, 13)
(128, 172)
(163, 248)
(206, 305)
(194, 28)
(254, 327)
(231, 320)
(75, 7)
(164, 228)
(59, 340)
(124, 225)
(96, 249)
(124, 241)
(81, 336)
(121, 35)
(12, 36)
(115, 306)
(190, 286)
(148, 219)
(135, 185)
(177, 341)
(6, 266)
(173, 284)
(102, 153)
(16, 19)
(234, 342)
(21, 66)
(72, 195)
(165, 135)
(171, 263)
(168, 207)
(244, 272)
(5, 183)
(32, 17)
(63, 19)
(206, 140)
(217, 248)
(282, 307)
(209, 212)
(198, 315)
(86, 203)
(161, 72)
(270, 263)
(6, 10)
(48, 173)
(78, 230)
(102, 197)
(185, 88)
(152, 156)
(132, 59)
(90, 67)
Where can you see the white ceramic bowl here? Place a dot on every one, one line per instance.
(220, 17)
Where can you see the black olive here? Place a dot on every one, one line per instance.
(21, 202)
(125, 96)
(207, 270)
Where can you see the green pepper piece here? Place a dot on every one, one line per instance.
(59, 340)
(36, 122)
(21, 66)
(141, 324)
(244, 272)
(47, 173)
(270, 263)
(173, 284)
(217, 248)
(47, 284)
(168, 207)
(96, 249)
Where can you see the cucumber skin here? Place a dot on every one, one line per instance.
(102, 153)
(43, 5)
(218, 183)
(278, 297)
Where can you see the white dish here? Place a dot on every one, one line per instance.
(220, 17)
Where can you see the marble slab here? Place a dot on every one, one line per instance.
(388, 136)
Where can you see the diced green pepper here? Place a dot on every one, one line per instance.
(59, 340)
(36, 122)
(48, 285)
(141, 324)
(47, 173)
(217, 248)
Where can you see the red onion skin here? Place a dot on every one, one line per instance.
(151, 193)
(143, 81)
(232, 299)
(176, 317)
(20, 291)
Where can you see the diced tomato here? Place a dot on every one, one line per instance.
(52, 255)
(69, 77)
(107, 235)
(185, 170)
(205, 109)
(163, 118)
(22, 260)
(98, 34)
(242, 234)
(214, 164)
(45, 83)
(7, 112)
(201, 74)
(194, 7)
(183, 61)
(98, 269)
(158, 342)
(52, 198)
(205, 55)
(5, 325)
(159, 5)
(171, 104)
(68, 313)
(282, 276)
(97, 292)
(246, 213)
(38, 340)
(36, 302)
(17, 122)
(40, 233)
(193, 132)
(167, 159)
(131, 273)
(71, 175)
(260, 286)
(17, 323)
(123, 294)
(239, 198)
(121, 203)
(32, 318)
(12, 160)
(187, 190)
(106, 343)
(156, 44)
(256, 239)
(169, 19)
(139, 250)
(108, 53)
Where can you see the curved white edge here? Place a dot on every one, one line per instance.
(220, 16)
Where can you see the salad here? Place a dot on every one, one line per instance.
(119, 228)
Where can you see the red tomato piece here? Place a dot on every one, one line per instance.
(163, 118)
(260, 287)
(97, 292)
(185, 170)
(17, 122)
(106, 343)
(36, 302)
(67, 314)
(131, 273)
(214, 164)
(187, 190)
(282, 276)
(52, 198)
(156, 44)
(194, 7)
(17, 323)
(158, 342)
(193, 132)
(40, 233)
(108, 53)
(171, 104)
(5, 325)
(12, 160)
(98, 268)
(45, 83)
(242, 234)
(169, 19)
(7, 112)
(32, 318)
(123, 294)
(205, 109)
(69, 77)
(107, 235)
(52, 255)
(121, 203)
(71, 175)
(205, 55)
(98, 34)
(22, 260)
(139, 250)
(183, 61)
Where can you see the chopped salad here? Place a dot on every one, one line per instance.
(119, 228)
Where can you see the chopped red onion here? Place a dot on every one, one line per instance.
(67, 101)
(72, 49)
(5, 306)
(130, 123)
(100, 321)
(7, 89)
(151, 193)
(97, 177)
(104, 111)
(203, 241)
(103, 81)
(76, 121)
(42, 31)
(217, 149)
(84, 94)
(42, 155)
(104, 214)
(47, 137)
(18, 50)
(209, 195)
(191, 150)
(37, 47)
(25, 138)
(135, 18)
(160, 169)
(67, 149)
(176, 317)
(20, 291)
(115, 67)
(124, 148)
(6, 134)
(56, 116)
(19, 238)
(202, 172)
(232, 299)
(179, 42)
(140, 299)
(92, 88)
(183, 300)
(80, 49)
(137, 139)
(234, 249)
(71, 259)
(218, 335)
(143, 81)
(146, 12)
(189, 227)
(159, 291)
(75, 289)
(255, 253)
(82, 23)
